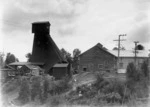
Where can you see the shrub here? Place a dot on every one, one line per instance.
(137, 80)
(11, 85)
(60, 86)
(112, 97)
(145, 69)
(100, 82)
(36, 88)
(110, 90)
(131, 71)
(115, 91)
(57, 100)
(24, 92)
(46, 84)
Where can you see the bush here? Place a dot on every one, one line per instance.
(131, 72)
(111, 97)
(100, 82)
(57, 100)
(47, 80)
(145, 69)
(36, 87)
(111, 90)
(59, 86)
(11, 85)
(137, 80)
(24, 92)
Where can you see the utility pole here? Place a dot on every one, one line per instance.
(119, 40)
(135, 51)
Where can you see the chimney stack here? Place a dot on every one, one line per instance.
(41, 27)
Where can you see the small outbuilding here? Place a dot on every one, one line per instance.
(61, 70)
(7, 73)
(30, 70)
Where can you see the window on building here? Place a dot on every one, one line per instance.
(121, 65)
(100, 66)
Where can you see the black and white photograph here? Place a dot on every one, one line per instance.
(75, 53)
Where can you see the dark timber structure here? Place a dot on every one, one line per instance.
(44, 48)
(45, 53)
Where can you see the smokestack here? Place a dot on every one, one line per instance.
(41, 27)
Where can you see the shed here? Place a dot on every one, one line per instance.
(61, 70)
(7, 73)
(30, 70)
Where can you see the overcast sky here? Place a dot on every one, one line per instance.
(74, 23)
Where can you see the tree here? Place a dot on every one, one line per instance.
(145, 69)
(115, 48)
(2, 59)
(76, 53)
(28, 56)
(131, 71)
(10, 58)
(139, 47)
(121, 48)
(66, 55)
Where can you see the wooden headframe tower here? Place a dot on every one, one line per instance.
(44, 48)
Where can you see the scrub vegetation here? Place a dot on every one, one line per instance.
(104, 91)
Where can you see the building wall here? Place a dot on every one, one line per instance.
(124, 61)
(59, 72)
(96, 59)
(24, 70)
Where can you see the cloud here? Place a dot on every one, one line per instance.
(64, 31)
(141, 16)
(61, 8)
(19, 15)
(142, 5)
(140, 33)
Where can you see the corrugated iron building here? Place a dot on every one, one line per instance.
(128, 56)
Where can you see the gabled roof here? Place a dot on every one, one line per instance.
(130, 53)
(100, 46)
(61, 65)
(26, 63)
(33, 67)
(7, 69)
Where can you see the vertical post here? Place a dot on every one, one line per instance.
(118, 59)
(119, 48)
(118, 51)
(135, 51)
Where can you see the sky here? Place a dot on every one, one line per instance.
(74, 23)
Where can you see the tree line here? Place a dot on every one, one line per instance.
(73, 59)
